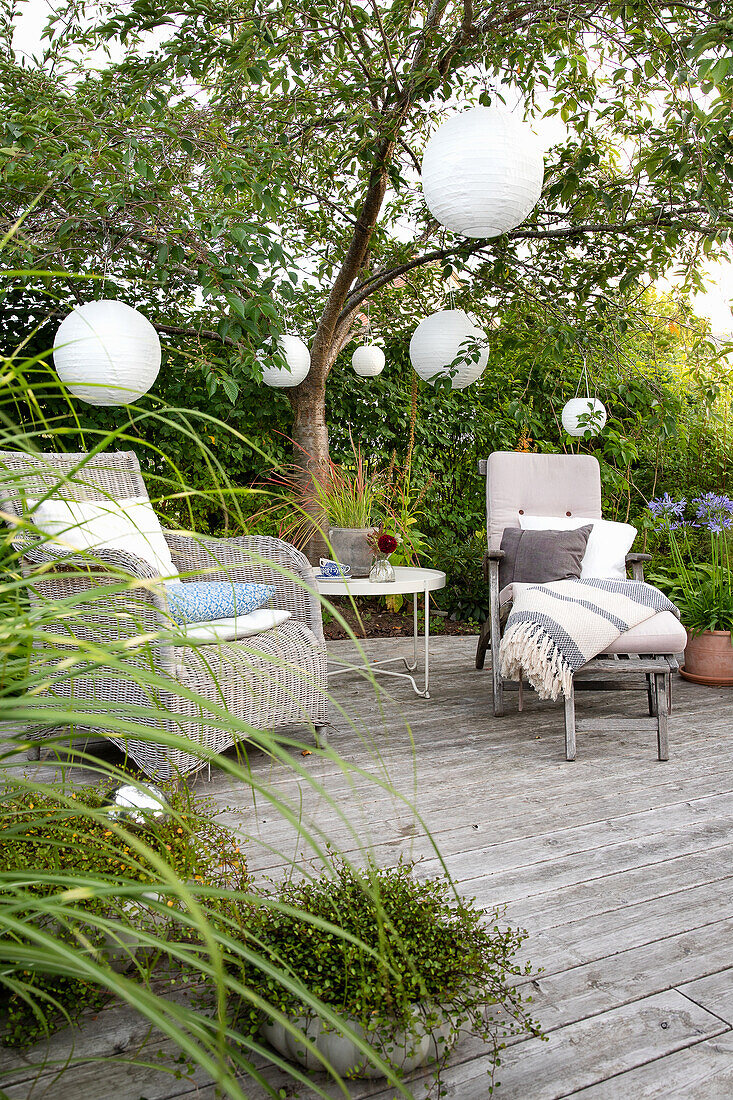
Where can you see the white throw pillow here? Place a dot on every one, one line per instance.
(608, 542)
(229, 630)
(128, 524)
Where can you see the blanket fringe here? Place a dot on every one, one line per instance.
(528, 650)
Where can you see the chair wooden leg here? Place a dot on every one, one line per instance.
(496, 680)
(663, 714)
(321, 736)
(495, 620)
(570, 724)
(483, 643)
(34, 752)
(651, 695)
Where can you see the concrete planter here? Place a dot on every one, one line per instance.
(709, 659)
(351, 547)
(426, 1040)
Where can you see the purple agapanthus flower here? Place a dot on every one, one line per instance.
(714, 511)
(669, 513)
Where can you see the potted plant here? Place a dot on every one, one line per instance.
(96, 886)
(376, 966)
(702, 591)
(350, 497)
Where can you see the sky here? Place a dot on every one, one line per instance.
(714, 304)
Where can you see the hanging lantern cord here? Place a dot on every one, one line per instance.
(583, 374)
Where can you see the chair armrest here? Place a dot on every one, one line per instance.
(636, 561)
(491, 560)
(105, 598)
(253, 559)
(101, 560)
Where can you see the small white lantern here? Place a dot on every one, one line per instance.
(439, 340)
(368, 361)
(482, 172)
(107, 353)
(298, 359)
(591, 409)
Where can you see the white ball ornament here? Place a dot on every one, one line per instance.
(590, 409)
(368, 361)
(482, 172)
(298, 359)
(440, 339)
(107, 353)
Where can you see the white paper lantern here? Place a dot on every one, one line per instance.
(482, 172)
(438, 341)
(585, 407)
(368, 361)
(298, 359)
(107, 353)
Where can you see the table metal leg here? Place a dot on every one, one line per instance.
(378, 666)
(413, 666)
(426, 693)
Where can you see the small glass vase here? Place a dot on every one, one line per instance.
(382, 570)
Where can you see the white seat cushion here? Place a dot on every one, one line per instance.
(127, 524)
(662, 633)
(229, 630)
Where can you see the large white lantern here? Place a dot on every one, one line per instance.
(440, 339)
(482, 172)
(368, 361)
(107, 353)
(298, 359)
(591, 409)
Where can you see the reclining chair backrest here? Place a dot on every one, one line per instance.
(518, 483)
(111, 475)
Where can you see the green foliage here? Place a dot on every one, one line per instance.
(349, 494)
(703, 590)
(704, 602)
(373, 943)
(68, 838)
(466, 593)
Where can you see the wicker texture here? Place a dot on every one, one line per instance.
(275, 679)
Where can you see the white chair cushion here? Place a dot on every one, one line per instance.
(127, 524)
(662, 633)
(608, 542)
(230, 630)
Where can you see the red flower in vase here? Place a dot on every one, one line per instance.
(387, 544)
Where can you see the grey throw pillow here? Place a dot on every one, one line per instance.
(535, 557)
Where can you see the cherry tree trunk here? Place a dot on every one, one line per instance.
(310, 453)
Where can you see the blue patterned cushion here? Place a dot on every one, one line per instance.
(202, 602)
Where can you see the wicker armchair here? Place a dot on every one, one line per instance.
(268, 681)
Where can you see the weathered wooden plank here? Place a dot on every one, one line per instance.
(700, 1072)
(583, 1053)
(715, 993)
(617, 866)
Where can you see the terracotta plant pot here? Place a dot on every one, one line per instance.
(709, 659)
(350, 546)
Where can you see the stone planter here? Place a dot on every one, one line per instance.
(351, 547)
(709, 659)
(429, 1037)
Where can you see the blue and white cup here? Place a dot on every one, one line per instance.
(331, 568)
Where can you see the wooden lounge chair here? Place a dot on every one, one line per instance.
(570, 485)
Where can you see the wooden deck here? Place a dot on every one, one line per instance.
(620, 867)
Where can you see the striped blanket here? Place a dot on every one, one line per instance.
(554, 628)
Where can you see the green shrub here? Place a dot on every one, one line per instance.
(407, 942)
(76, 850)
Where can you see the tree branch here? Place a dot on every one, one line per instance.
(369, 286)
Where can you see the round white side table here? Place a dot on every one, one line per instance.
(409, 580)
